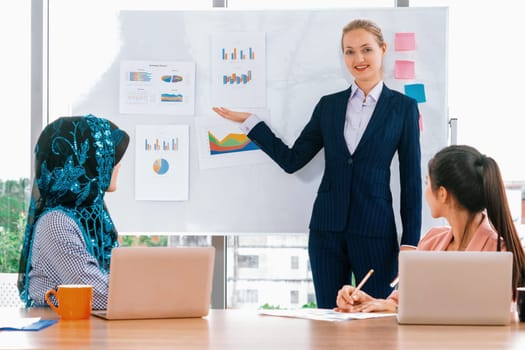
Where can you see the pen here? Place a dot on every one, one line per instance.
(394, 282)
(363, 281)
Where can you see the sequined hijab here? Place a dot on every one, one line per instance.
(74, 161)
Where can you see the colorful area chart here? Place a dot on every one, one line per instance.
(230, 143)
(171, 98)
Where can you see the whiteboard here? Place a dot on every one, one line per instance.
(303, 63)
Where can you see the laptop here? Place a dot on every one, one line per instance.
(159, 282)
(456, 288)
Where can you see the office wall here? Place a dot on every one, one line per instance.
(303, 62)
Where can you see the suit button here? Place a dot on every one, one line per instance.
(350, 161)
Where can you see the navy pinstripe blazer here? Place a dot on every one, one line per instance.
(355, 188)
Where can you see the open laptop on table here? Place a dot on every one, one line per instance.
(159, 282)
(472, 288)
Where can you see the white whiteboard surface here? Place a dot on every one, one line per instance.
(303, 62)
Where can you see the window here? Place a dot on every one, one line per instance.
(487, 102)
(310, 298)
(248, 296)
(15, 141)
(294, 297)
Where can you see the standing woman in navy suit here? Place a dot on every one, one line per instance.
(352, 228)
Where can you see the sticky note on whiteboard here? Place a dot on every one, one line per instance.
(405, 41)
(416, 91)
(404, 69)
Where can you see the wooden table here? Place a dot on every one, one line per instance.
(246, 329)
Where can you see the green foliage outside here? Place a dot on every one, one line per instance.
(270, 307)
(14, 199)
(147, 241)
(310, 305)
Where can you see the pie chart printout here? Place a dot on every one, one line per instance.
(161, 166)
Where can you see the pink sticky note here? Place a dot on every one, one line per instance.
(405, 41)
(420, 122)
(404, 69)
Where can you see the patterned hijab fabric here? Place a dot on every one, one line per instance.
(74, 161)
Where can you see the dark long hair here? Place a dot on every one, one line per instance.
(475, 181)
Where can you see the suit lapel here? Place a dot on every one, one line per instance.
(340, 118)
(378, 117)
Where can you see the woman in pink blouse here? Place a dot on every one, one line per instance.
(465, 187)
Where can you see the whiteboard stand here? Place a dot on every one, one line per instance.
(402, 3)
(220, 3)
(218, 296)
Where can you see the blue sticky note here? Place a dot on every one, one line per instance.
(416, 91)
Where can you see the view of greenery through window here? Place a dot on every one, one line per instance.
(143, 240)
(13, 208)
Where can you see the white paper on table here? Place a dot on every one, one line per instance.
(324, 314)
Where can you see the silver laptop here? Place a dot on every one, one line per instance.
(159, 282)
(471, 288)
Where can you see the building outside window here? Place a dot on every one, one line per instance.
(294, 297)
(294, 261)
(248, 261)
(247, 296)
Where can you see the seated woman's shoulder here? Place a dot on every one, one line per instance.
(55, 220)
(438, 230)
(433, 236)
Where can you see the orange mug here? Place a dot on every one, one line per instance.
(74, 301)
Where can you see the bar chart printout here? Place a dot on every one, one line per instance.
(239, 69)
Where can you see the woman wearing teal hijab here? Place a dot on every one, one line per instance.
(69, 233)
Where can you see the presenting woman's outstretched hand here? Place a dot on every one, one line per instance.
(231, 115)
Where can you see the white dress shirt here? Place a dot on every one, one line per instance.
(358, 113)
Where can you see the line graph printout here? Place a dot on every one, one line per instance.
(157, 87)
(239, 69)
(223, 144)
(162, 162)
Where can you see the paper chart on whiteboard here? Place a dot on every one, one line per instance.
(162, 162)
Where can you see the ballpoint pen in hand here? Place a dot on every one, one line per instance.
(363, 281)
(394, 282)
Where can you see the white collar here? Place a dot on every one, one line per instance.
(374, 93)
